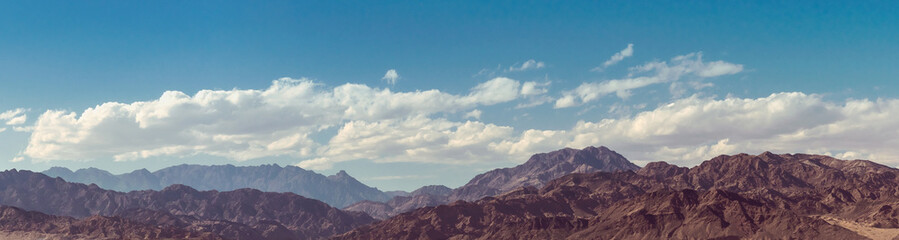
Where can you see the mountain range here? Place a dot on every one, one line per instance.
(766, 196)
(538, 170)
(338, 190)
(238, 214)
(591, 193)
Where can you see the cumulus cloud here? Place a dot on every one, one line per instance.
(391, 76)
(690, 65)
(527, 65)
(495, 91)
(693, 129)
(14, 117)
(475, 114)
(240, 124)
(624, 53)
(533, 88)
(415, 139)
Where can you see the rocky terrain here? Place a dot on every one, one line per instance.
(16, 223)
(240, 214)
(338, 190)
(538, 170)
(766, 196)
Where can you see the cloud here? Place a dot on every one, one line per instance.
(690, 65)
(495, 91)
(14, 117)
(415, 139)
(391, 76)
(475, 114)
(527, 65)
(23, 129)
(624, 53)
(533, 88)
(240, 124)
(693, 129)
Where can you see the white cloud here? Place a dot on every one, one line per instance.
(14, 117)
(2, 130)
(495, 91)
(475, 114)
(391, 76)
(693, 129)
(533, 88)
(17, 120)
(23, 129)
(624, 53)
(9, 114)
(690, 65)
(239, 124)
(527, 65)
(384, 126)
(415, 139)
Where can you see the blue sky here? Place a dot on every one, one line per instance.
(795, 76)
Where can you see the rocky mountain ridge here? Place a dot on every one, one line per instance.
(766, 196)
(338, 190)
(538, 170)
(238, 214)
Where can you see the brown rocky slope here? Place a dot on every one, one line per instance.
(538, 170)
(766, 196)
(16, 223)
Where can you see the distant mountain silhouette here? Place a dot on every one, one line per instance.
(538, 170)
(766, 196)
(242, 213)
(338, 190)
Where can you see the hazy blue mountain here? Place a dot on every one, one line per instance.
(338, 190)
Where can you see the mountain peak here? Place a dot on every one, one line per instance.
(543, 167)
(341, 175)
(58, 172)
(179, 188)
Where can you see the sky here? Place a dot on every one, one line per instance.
(402, 94)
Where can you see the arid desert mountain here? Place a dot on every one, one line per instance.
(538, 170)
(338, 190)
(238, 214)
(766, 196)
(16, 223)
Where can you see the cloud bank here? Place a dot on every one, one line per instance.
(243, 124)
(380, 125)
(693, 129)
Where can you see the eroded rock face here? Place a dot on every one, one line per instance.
(244, 212)
(20, 224)
(538, 170)
(740, 196)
